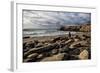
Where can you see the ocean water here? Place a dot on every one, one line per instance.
(43, 32)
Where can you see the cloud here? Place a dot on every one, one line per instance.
(50, 19)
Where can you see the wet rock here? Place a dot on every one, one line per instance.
(57, 57)
(84, 55)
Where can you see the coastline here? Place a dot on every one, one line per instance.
(48, 48)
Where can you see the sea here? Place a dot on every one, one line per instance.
(44, 32)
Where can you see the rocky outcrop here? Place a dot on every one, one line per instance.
(82, 28)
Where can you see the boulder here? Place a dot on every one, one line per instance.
(34, 55)
(73, 57)
(64, 49)
(42, 49)
(66, 56)
(75, 51)
(79, 44)
(39, 45)
(56, 39)
(30, 44)
(69, 41)
(40, 56)
(57, 57)
(83, 55)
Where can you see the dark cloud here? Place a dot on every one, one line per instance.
(50, 19)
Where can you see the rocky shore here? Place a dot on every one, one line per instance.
(57, 48)
(79, 28)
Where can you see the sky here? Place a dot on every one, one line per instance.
(53, 19)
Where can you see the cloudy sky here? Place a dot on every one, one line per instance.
(49, 19)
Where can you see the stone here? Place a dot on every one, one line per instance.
(75, 51)
(64, 49)
(57, 57)
(39, 45)
(69, 41)
(34, 55)
(56, 39)
(54, 51)
(30, 44)
(73, 57)
(83, 55)
(42, 49)
(40, 56)
(79, 44)
(66, 56)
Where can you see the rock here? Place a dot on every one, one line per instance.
(39, 45)
(56, 39)
(42, 49)
(83, 55)
(54, 51)
(34, 55)
(57, 57)
(26, 60)
(76, 40)
(79, 44)
(85, 28)
(36, 41)
(66, 56)
(69, 41)
(29, 60)
(26, 37)
(40, 56)
(30, 44)
(75, 51)
(73, 57)
(24, 45)
(64, 49)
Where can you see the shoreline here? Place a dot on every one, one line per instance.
(57, 48)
